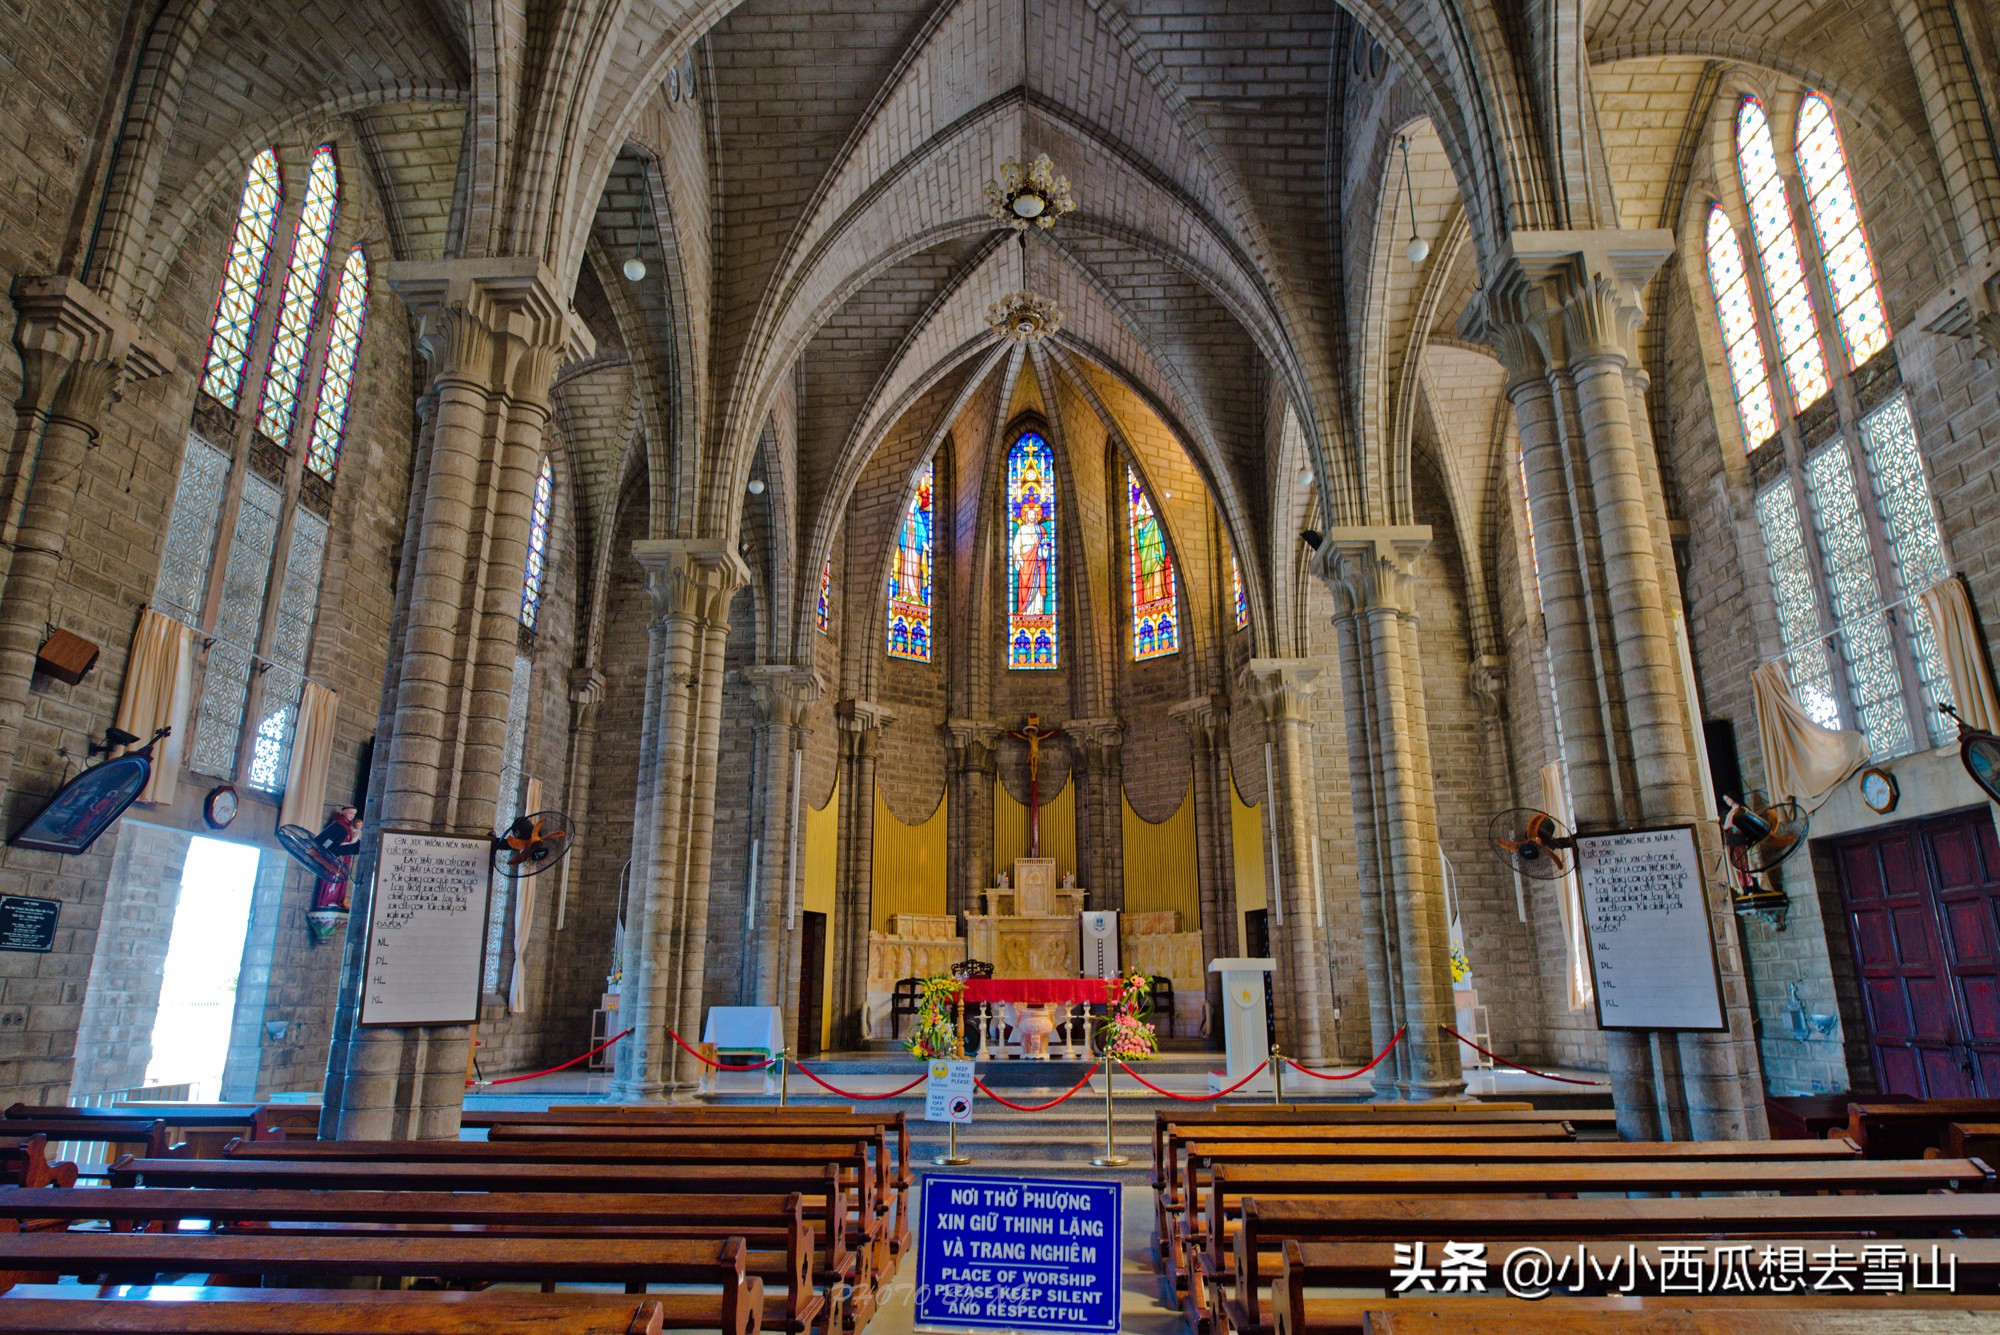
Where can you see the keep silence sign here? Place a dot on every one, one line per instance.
(948, 1096)
(999, 1253)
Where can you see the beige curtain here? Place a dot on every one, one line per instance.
(524, 914)
(1963, 649)
(1569, 894)
(158, 679)
(312, 751)
(1802, 760)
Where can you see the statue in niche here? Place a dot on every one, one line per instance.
(1069, 880)
(1005, 884)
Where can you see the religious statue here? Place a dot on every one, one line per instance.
(1005, 884)
(1069, 880)
(340, 839)
(1034, 734)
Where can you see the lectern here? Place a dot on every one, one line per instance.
(1242, 1021)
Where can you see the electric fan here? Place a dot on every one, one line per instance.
(532, 844)
(1758, 834)
(1978, 751)
(1532, 842)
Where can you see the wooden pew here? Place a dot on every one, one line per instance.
(201, 1128)
(147, 1134)
(1973, 1140)
(1907, 1130)
(1665, 1317)
(24, 1162)
(780, 1241)
(633, 1262)
(45, 1309)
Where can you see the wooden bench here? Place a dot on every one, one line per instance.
(147, 1134)
(1666, 1317)
(24, 1162)
(49, 1309)
(635, 1263)
(781, 1242)
(201, 1129)
(1908, 1130)
(1973, 1140)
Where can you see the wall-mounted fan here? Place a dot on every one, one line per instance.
(1758, 834)
(1532, 842)
(532, 844)
(1979, 752)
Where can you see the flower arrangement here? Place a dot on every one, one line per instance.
(1126, 1035)
(934, 1033)
(1461, 968)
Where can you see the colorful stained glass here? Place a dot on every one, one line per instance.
(1742, 341)
(1031, 554)
(1875, 683)
(1778, 256)
(234, 327)
(1797, 603)
(336, 383)
(910, 577)
(538, 544)
(1843, 242)
(825, 611)
(1156, 630)
(1889, 443)
(285, 374)
(1236, 588)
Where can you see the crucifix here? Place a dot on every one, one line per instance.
(1034, 734)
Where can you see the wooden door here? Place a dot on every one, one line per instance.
(812, 982)
(1922, 902)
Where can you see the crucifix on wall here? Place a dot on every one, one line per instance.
(1034, 734)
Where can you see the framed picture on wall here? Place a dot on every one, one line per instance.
(87, 805)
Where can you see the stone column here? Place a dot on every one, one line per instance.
(1207, 721)
(969, 817)
(494, 332)
(691, 582)
(75, 352)
(1372, 573)
(1098, 747)
(861, 724)
(1303, 991)
(783, 694)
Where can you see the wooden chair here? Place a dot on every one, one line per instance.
(904, 1000)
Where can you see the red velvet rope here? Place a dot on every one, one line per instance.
(720, 1066)
(1380, 1057)
(534, 1075)
(1037, 1107)
(1194, 1098)
(1567, 1080)
(800, 1067)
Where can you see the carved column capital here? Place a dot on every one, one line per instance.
(1280, 687)
(1969, 309)
(76, 349)
(971, 743)
(861, 723)
(691, 579)
(501, 323)
(1206, 717)
(1577, 295)
(1099, 742)
(783, 693)
(1489, 684)
(1372, 569)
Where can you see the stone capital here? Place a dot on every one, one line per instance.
(1206, 717)
(860, 723)
(499, 323)
(971, 743)
(76, 349)
(1371, 569)
(1563, 298)
(783, 693)
(1280, 686)
(1489, 684)
(1969, 309)
(586, 687)
(1098, 741)
(691, 579)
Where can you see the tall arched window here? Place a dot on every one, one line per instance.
(1778, 256)
(910, 577)
(824, 611)
(285, 376)
(1236, 589)
(234, 328)
(1742, 341)
(1843, 244)
(1031, 554)
(538, 544)
(343, 349)
(1156, 630)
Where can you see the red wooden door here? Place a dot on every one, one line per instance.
(1921, 902)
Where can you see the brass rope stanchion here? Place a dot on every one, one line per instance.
(1111, 1158)
(784, 1075)
(951, 1158)
(1277, 1076)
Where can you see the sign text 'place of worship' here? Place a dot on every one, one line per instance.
(999, 1253)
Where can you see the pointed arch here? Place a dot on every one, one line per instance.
(343, 351)
(1844, 254)
(910, 633)
(1156, 630)
(234, 326)
(1032, 632)
(1778, 256)
(285, 373)
(1742, 340)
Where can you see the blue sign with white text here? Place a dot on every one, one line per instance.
(1019, 1254)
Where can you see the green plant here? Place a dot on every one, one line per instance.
(935, 1031)
(1126, 1034)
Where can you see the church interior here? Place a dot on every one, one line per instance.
(1448, 539)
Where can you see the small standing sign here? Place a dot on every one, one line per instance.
(1002, 1253)
(1652, 946)
(426, 929)
(948, 1096)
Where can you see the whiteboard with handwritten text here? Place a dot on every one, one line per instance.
(1652, 950)
(426, 929)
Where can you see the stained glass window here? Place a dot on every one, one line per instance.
(1778, 256)
(537, 567)
(336, 383)
(1031, 554)
(824, 610)
(235, 325)
(284, 376)
(1742, 342)
(225, 684)
(910, 577)
(284, 677)
(190, 547)
(1797, 602)
(1889, 442)
(1156, 630)
(1843, 244)
(1236, 588)
(1875, 684)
